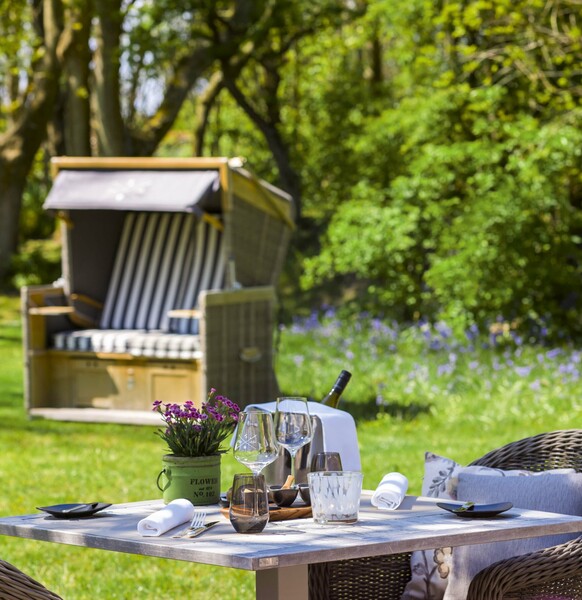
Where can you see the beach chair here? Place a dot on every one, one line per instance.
(170, 269)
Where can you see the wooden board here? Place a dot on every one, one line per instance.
(283, 513)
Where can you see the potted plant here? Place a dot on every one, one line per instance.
(194, 437)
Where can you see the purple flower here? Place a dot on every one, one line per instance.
(198, 432)
(523, 371)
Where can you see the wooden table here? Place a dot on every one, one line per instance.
(281, 553)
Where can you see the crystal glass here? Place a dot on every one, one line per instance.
(249, 503)
(335, 496)
(292, 425)
(255, 445)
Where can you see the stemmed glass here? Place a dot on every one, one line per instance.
(255, 445)
(292, 425)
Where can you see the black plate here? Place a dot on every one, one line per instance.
(74, 511)
(478, 511)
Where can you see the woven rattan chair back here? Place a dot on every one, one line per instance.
(385, 577)
(554, 450)
(16, 585)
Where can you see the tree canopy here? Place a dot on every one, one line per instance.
(434, 146)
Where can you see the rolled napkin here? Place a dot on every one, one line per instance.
(390, 492)
(174, 514)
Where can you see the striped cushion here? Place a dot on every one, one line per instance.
(163, 261)
(149, 344)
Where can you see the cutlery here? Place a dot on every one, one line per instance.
(88, 506)
(466, 506)
(197, 523)
(192, 533)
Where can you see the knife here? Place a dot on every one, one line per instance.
(89, 506)
(192, 533)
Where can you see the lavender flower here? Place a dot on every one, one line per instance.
(193, 432)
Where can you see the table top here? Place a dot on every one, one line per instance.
(418, 524)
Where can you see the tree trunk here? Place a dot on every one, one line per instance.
(12, 182)
(109, 124)
(206, 101)
(20, 143)
(77, 124)
(289, 179)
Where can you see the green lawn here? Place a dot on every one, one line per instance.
(456, 400)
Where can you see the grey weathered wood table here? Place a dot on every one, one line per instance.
(281, 553)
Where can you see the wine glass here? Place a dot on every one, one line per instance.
(292, 425)
(255, 445)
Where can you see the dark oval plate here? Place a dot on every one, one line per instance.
(478, 511)
(74, 511)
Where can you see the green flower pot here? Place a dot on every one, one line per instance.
(195, 478)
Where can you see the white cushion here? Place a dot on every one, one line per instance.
(151, 344)
(548, 491)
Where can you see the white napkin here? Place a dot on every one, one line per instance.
(174, 514)
(390, 492)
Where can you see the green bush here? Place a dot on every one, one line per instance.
(480, 222)
(38, 262)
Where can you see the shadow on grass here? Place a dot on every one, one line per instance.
(11, 338)
(368, 411)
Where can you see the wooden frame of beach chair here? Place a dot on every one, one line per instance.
(169, 274)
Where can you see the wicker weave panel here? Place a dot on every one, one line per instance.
(15, 584)
(557, 449)
(259, 245)
(229, 329)
(554, 572)
(375, 578)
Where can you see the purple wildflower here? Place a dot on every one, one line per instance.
(523, 371)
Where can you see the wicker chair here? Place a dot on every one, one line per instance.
(556, 570)
(16, 585)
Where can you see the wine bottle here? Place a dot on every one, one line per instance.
(332, 398)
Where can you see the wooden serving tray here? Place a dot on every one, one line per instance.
(283, 513)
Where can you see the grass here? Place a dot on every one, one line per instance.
(413, 390)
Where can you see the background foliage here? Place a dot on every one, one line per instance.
(435, 148)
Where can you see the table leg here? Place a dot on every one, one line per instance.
(286, 583)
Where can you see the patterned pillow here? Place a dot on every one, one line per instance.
(431, 568)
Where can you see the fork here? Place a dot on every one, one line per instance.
(197, 523)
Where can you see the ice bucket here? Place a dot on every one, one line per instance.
(333, 431)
